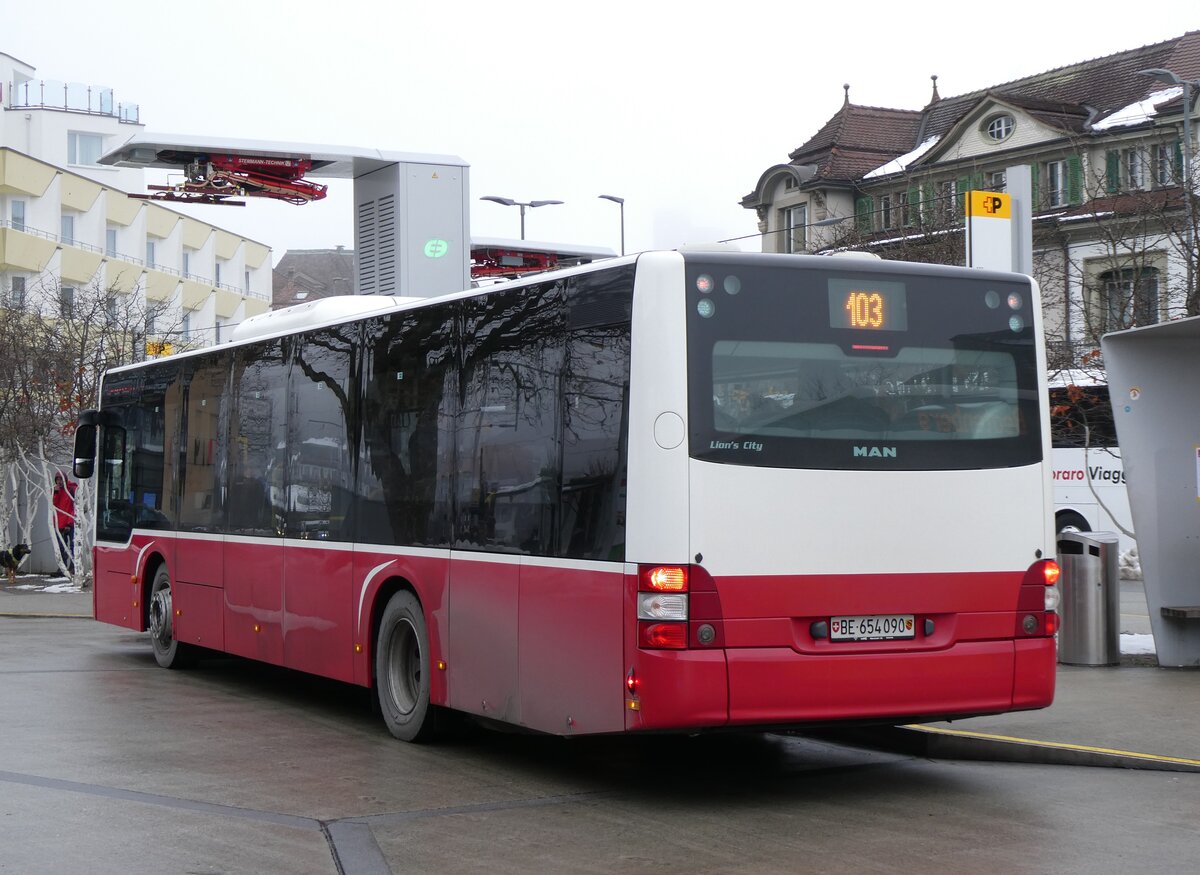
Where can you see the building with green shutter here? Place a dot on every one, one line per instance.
(1103, 140)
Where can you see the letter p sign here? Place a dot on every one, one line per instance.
(991, 204)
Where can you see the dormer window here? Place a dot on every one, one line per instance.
(999, 127)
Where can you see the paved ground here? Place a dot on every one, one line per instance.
(1099, 713)
(109, 764)
(38, 595)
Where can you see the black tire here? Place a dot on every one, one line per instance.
(1070, 521)
(168, 652)
(402, 670)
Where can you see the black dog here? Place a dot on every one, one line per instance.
(10, 560)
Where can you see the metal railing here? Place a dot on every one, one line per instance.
(132, 259)
(70, 97)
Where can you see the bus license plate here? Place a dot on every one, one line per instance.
(878, 628)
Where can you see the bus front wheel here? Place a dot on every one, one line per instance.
(402, 670)
(168, 651)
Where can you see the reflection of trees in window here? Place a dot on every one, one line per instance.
(324, 413)
(149, 426)
(258, 439)
(407, 426)
(542, 420)
(202, 447)
(499, 422)
(137, 485)
(595, 406)
(508, 419)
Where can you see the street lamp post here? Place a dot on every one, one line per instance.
(509, 202)
(1173, 79)
(620, 201)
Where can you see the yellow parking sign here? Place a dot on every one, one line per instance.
(989, 204)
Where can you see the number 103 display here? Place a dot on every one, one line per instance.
(867, 306)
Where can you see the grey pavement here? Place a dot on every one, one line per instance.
(29, 596)
(1099, 713)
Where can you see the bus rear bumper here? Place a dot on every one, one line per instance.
(776, 685)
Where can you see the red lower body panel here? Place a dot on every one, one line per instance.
(772, 661)
(774, 686)
(771, 685)
(1036, 667)
(118, 591)
(550, 647)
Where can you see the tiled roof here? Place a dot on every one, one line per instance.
(1141, 203)
(308, 274)
(860, 138)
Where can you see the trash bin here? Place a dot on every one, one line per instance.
(1090, 610)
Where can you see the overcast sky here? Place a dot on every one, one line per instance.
(678, 108)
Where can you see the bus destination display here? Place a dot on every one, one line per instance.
(870, 306)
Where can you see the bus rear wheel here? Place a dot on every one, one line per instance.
(402, 670)
(168, 651)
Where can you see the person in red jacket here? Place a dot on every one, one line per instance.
(64, 519)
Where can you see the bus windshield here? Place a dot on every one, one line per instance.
(863, 368)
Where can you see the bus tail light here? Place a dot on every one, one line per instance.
(662, 607)
(1039, 600)
(662, 636)
(1051, 572)
(663, 578)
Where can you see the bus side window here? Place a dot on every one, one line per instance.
(115, 512)
(112, 458)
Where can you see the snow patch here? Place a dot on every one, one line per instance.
(1140, 112)
(898, 165)
(1135, 644)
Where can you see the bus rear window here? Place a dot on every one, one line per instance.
(920, 369)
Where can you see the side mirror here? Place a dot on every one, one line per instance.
(85, 450)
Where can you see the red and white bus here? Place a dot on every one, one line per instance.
(676, 491)
(1088, 474)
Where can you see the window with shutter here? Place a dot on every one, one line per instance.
(863, 209)
(1112, 171)
(1074, 180)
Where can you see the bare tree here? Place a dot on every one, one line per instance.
(55, 346)
(925, 226)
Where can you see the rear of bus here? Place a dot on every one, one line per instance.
(839, 503)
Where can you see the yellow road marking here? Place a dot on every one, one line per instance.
(1058, 745)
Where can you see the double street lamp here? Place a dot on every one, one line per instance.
(509, 202)
(1172, 78)
(620, 201)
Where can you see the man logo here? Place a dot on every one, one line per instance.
(875, 452)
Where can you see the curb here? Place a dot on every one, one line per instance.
(933, 742)
(42, 616)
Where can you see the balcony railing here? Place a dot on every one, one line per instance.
(133, 259)
(71, 97)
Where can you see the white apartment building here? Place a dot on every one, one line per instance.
(68, 223)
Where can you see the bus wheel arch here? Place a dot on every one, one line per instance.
(1070, 521)
(154, 562)
(403, 667)
(169, 652)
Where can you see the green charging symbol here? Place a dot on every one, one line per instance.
(436, 248)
